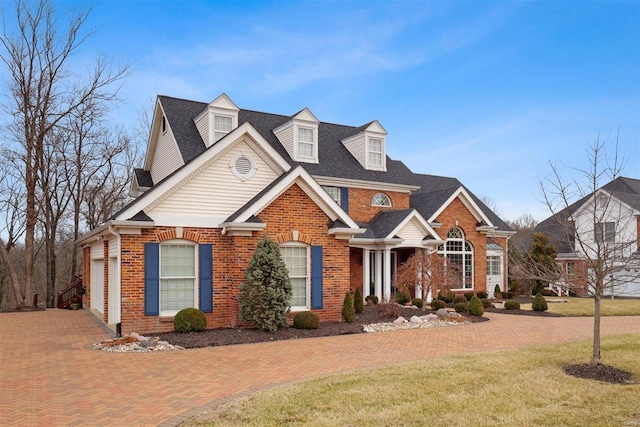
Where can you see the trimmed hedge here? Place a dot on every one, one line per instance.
(437, 304)
(402, 297)
(475, 307)
(460, 307)
(306, 320)
(486, 302)
(482, 295)
(539, 303)
(189, 320)
(371, 299)
(417, 302)
(511, 305)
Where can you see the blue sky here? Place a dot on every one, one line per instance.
(487, 92)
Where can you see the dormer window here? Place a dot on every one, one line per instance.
(222, 125)
(306, 143)
(375, 152)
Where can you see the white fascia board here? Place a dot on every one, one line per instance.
(346, 233)
(104, 229)
(376, 127)
(367, 185)
(223, 101)
(298, 173)
(468, 202)
(425, 225)
(186, 172)
(374, 243)
(234, 227)
(500, 233)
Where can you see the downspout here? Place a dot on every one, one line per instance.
(117, 284)
(506, 257)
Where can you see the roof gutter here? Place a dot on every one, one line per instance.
(104, 229)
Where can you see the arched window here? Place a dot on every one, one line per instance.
(381, 199)
(459, 254)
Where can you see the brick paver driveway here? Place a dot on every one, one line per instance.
(49, 375)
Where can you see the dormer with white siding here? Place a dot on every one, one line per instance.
(369, 147)
(218, 119)
(299, 136)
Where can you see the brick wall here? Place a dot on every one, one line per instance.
(456, 211)
(292, 211)
(360, 208)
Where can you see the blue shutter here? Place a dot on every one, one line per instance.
(344, 198)
(316, 276)
(205, 261)
(151, 279)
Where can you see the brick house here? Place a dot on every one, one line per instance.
(217, 178)
(609, 222)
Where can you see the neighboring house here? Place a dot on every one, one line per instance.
(613, 227)
(217, 178)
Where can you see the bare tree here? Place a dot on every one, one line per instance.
(428, 273)
(607, 251)
(43, 92)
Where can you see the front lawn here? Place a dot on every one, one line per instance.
(584, 307)
(504, 388)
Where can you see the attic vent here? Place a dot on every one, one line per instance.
(243, 166)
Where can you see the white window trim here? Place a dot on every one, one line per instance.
(308, 277)
(296, 146)
(196, 284)
(216, 131)
(463, 253)
(339, 189)
(499, 258)
(370, 151)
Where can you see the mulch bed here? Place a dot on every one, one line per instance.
(217, 337)
(604, 373)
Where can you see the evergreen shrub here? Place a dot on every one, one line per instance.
(348, 311)
(417, 302)
(402, 297)
(460, 307)
(358, 303)
(189, 320)
(475, 307)
(511, 305)
(539, 303)
(437, 304)
(306, 320)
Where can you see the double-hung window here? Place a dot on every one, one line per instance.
(222, 125)
(334, 192)
(296, 258)
(177, 277)
(606, 231)
(306, 143)
(494, 266)
(375, 152)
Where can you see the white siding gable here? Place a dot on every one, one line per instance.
(214, 193)
(412, 233)
(166, 158)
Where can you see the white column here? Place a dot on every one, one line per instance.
(366, 273)
(387, 274)
(378, 274)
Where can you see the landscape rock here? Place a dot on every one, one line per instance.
(429, 317)
(415, 319)
(400, 320)
(442, 313)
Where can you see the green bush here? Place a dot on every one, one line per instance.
(358, 303)
(447, 297)
(371, 299)
(468, 295)
(306, 320)
(417, 302)
(486, 302)
(402, 297)
(265, 295)
(437, 304)
(348, 311)
(459, 298)
(189, 320)
(511, 305)
(482, 295)
(475, 307)
(508, 295)
(460, 307)
(539, 303)
(497, 293)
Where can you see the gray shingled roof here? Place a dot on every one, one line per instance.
(559, 228)
(334, 158)
(385, 222)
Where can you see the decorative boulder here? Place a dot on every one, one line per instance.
(443, 313)
(400, 320)
(415, 319)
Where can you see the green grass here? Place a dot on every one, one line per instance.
(577, 307)
(504, 388)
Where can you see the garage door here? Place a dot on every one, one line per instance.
(97, 285)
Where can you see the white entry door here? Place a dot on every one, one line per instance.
(97, 285)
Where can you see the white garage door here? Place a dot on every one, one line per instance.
(97, 285)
